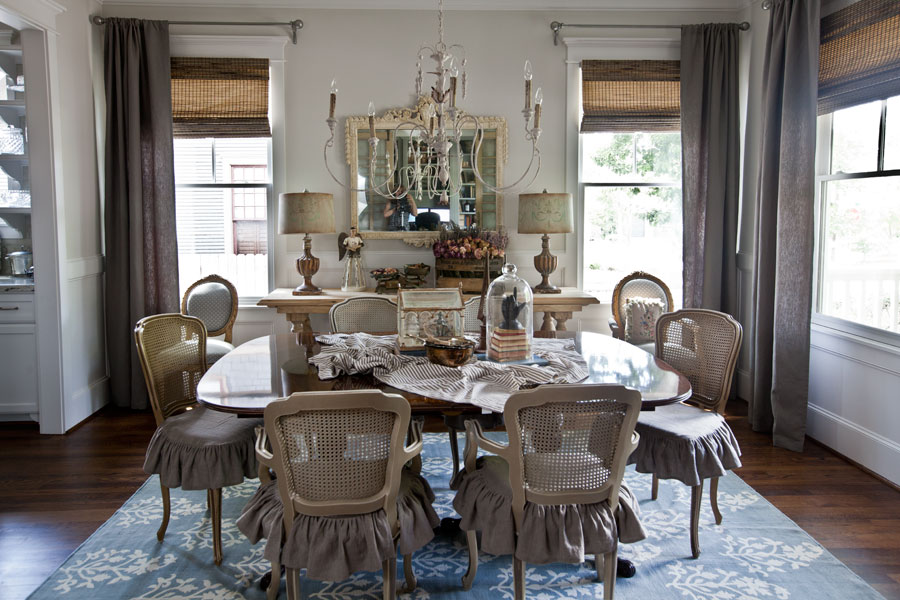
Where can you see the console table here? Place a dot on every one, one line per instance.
(557, 308)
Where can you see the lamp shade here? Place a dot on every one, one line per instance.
(546, 213)
(305, 212)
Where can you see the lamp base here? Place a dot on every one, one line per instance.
(545, 263)
(307, 266)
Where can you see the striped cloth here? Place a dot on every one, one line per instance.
(482, 383)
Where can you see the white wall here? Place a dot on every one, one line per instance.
(372, 54)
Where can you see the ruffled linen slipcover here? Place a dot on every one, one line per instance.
(686, 443)
(549, 533)
(333, 548)
(203, 449)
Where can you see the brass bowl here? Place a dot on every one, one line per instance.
(449, 352)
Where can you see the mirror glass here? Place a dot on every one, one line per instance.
(419, 214)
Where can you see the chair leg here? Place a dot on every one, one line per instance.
(609, 574)
(389, 578)
(274, 582)
(518, 579)
(696, 497)
(293, 584)
(409, 574)
(714, 499)
(454, 453)
(654, 487)
(216, 518)
(469, 577)
(599, 566)
(167, 507)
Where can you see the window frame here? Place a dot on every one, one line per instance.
(666, 47)
(825, 131)
(272, 48)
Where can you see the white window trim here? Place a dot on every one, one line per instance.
(598, 48)
(253, 46)
(823, 322)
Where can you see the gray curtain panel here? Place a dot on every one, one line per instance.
(784, 223)
(710, 146)
(141, 254)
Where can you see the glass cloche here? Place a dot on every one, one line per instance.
(510, 311)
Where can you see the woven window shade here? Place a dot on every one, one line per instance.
(859, 55)
(631, 95)
(220, 97)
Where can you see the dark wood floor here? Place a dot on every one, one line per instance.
(56, 490)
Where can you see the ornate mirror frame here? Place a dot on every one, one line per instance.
(390, 119)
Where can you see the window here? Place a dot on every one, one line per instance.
(631, 185)
(630, 172)
(221, 204)
(223, 175)
(859, 214)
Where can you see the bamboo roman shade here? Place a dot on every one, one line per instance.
(859, 55)
(631, 95)
(220, 97)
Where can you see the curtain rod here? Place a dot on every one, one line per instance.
(556, 26)
(295, 25)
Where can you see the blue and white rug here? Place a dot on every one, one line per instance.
(756, 553)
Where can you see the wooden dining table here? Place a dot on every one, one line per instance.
(267, 368)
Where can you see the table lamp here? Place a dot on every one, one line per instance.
(306, 212)
(546, 213)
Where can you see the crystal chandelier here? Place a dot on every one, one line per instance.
(434, 138)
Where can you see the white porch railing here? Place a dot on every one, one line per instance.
(867, 294)
(248, 272)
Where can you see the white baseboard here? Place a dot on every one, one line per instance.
(876, 452)
(87, 401)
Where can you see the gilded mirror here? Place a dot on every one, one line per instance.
(417, 217)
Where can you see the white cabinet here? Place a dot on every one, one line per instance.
(18, 357)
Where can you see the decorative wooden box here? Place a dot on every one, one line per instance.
(428, 313)
(464, 272)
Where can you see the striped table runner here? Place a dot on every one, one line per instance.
(482, 383)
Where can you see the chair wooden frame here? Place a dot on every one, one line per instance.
(385, 499)
(715, 404)
(229, 326)
(332, 320)
(161, 411)
(616, 321)
(513, 455)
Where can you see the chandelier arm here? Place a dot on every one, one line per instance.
(383, 189)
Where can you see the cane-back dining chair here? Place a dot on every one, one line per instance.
(566, 456)
(193, 448)
(213, 300)
(637, 286)
(693, 442)
(366, 314)
(342, 500)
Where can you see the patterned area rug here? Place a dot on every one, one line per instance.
(756, 553)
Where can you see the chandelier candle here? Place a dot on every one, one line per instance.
(333, 102)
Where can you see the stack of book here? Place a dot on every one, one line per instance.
(508, 345)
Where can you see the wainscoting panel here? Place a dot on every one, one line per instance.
(854, 406)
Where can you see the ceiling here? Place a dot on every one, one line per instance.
(550, 5)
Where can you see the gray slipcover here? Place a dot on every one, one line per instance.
(686, 443)
(203, 449)
(211, 303)
(216, 349)
(333, 548)
(549, 533)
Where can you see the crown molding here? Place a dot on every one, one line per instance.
(31, 13)
(484, 5)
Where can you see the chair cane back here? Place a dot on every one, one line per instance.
(214, 300)
(364, 315)
(568, 444)
(636, 285)
(172, 351)
(339, 454)
(703, 345)
(471, 322)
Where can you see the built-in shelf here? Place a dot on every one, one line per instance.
(15, 210)
(14, 157)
